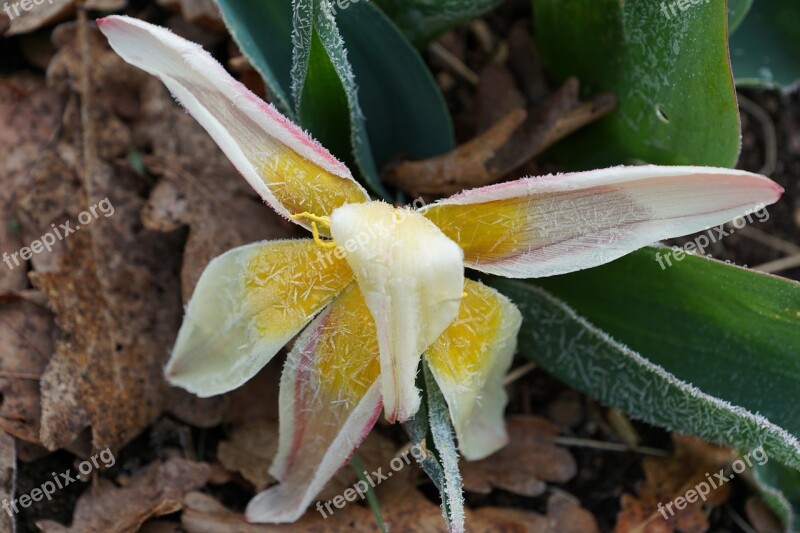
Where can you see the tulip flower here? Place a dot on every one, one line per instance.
(378, 287)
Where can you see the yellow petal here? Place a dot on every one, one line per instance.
(469, 361)
(552, 225)
(412, 278)
(247, 305)
(329, 400)
(290, 170)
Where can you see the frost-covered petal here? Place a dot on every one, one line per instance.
(291, 171)
(412, 278)
(469, 361)
(248, 303)
(552, 225)
(329, 400)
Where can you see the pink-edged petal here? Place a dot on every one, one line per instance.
(555, 224)
(248, 303)
(412, 278)
(329, 400)
(291, 171)
(469, 361)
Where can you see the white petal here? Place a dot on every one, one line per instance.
(329, 401)
(412, 278)
(552, 225)
(469, 362)
(291, 171)
(248, 303)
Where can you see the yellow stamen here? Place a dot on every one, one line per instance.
(320, 242)
(324, 221)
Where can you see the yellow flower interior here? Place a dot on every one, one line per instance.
(287, 284)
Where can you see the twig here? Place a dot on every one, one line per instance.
(610, 446)
(741, 522)
(779, 265)
(776, 243)
(504, 147)
(518, 372)
(453, 63)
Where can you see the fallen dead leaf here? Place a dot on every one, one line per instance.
(529, 460)
(29, 114)
(249, 451)
(203, 12)
(669, 478)
(44, 13)
(156, 490)
(8, 479)
(564, 515)
(26, 334)
(114, 288)
(204, 514)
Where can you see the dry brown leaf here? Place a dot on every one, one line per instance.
(523, 466)
(8, 479)
(564, 515)
(44, 13)
(156, 490)
(249, 451)
(26, 335)
(200, 11)
(204, 514)
(669, 478)
(29, 114)
(113, 288)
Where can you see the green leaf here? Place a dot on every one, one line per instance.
(372, 499)
(671, 74)
(737, 10)
(424, 20)
(765, 50)
(322, 103)
(719, 346)
(732, 332)
(431, 425)
(263, 32)
(405, 110)
(780, 487)
(319, 56)
(442, 434)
